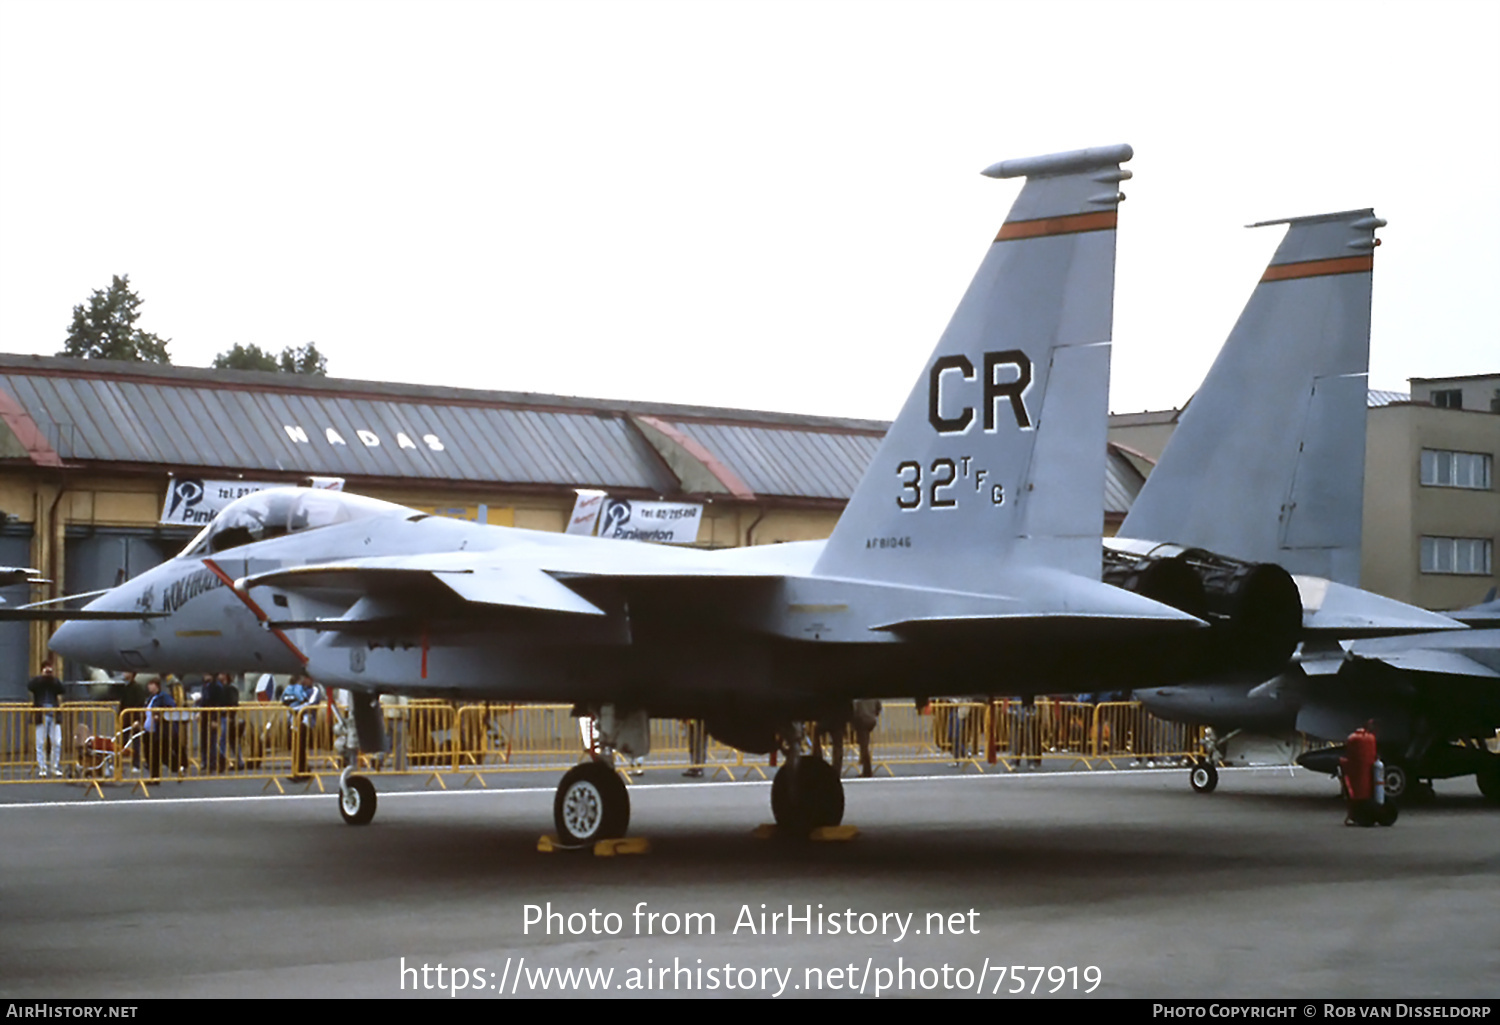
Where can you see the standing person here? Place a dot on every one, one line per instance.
(158, 730)
(208, 734)
(46, 696)
(231, 743)
(301, 700)
(697, 747)
(133, 695)
(1026, 742)
(866, 716)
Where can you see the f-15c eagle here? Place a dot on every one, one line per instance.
(967, 562)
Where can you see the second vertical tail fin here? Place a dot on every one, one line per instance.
(1267, 462)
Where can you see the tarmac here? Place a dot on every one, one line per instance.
(1081, 884)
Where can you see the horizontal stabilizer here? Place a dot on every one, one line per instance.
(1334, 611)
(1474, 653)
(1427, 660)
(1484, 614)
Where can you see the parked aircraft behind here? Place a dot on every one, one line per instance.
(1265, 473)
(967, 561)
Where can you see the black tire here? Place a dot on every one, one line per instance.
(357, 801)
(1385, 814)
(591, 804)
(807, 796)
(1397, 781)
(1488, 779)
(1203, 777)
(781, 789)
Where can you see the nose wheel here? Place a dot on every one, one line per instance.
(591, 804)
(1204, 777)
(356, 800)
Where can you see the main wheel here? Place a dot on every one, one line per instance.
(1204, 777)
(807, 796)
(1488, 779)
(591, 804)
(357, 801)
(1396, 781)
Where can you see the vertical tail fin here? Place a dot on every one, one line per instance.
(1267, 463)
(997, 457)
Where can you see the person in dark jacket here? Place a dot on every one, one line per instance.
(160, 733)
(46, 697)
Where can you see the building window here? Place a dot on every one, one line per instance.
(1495, 402)
(1448, 398)
(1456, 469)
(1468, 556)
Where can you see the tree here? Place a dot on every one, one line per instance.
(305, 359)
(105, 328)
(246, 357)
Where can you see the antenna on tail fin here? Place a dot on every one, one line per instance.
(1267, 462)
(997, 457)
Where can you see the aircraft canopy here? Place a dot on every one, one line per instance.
(278, 511)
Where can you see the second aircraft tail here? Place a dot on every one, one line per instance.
(1267, 461)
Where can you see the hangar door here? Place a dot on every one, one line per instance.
(100, 557)
(15, 637)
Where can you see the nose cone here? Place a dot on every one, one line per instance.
(81, 641)
(93, 641)
(1163, 702)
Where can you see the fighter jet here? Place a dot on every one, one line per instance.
(12, 575)
(966, 562)
(1265, 475)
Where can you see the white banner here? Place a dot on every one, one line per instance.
(192, 501)
(586, 512)
(669, 523)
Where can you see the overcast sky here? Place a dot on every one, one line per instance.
(768, 205)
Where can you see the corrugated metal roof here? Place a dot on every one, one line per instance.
(1375, 398)
(787, 462)
(188, 422)
(93, 411)
(1122, 482)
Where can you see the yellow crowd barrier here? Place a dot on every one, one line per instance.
(41, 744)
(96, 744)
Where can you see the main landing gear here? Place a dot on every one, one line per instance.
(591, 804)
(806, 793)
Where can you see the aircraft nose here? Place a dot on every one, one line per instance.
(94, 642)
(85, 642)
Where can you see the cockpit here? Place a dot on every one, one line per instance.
(276, 512)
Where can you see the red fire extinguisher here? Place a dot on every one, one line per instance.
(1364, 782)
